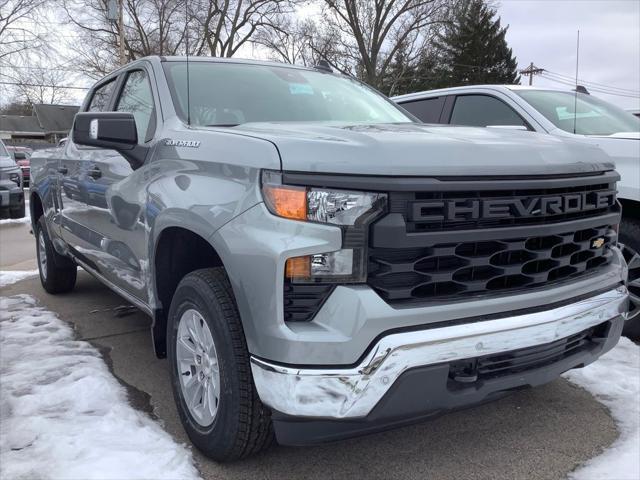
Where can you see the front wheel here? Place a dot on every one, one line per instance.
(210, 370)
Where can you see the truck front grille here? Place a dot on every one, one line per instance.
(427, 211)
(492, 241)
(464, 268)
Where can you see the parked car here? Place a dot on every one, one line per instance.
(23, 159)
(541, 110)
(11, 192)
(317, 263)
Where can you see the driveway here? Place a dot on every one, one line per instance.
(542, 433)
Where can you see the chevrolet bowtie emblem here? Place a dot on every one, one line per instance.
(597, 243)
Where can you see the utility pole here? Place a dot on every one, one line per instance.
(531, 70)
(121, 30)
(115, 13)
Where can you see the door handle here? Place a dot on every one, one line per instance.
(95, 173)
(63, 170)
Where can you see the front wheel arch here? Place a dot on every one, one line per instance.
(178, 251)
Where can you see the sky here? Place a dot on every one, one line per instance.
(544, 32)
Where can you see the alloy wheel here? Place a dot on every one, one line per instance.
(42, 255)
(198, 368)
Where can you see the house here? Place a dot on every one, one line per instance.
(47, 124)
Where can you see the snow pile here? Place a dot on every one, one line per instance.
(8, 277)
(614, 379)
(62, 413)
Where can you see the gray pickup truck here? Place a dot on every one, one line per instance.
(317, 263)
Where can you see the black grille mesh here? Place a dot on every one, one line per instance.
(467, 268)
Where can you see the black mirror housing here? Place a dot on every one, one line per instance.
(110, 130)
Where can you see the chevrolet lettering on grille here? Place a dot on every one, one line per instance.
(473, 209)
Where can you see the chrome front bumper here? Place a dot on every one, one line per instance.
(343, 393)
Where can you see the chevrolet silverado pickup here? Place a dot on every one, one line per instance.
(317, 263)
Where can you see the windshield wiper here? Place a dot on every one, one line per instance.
(223, 125)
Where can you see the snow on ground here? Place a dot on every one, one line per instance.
(12, 276)
(62, 413)
(614, 380)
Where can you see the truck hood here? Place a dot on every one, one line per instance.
(424, 150)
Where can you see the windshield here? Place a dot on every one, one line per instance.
(592, 115)
(228, 94)
(3, 151)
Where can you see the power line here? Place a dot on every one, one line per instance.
(43, 85)
(594, 89)
(581, 81)
(56, 69)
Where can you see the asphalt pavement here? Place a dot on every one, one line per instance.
(541, 433)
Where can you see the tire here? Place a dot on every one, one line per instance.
(629, 237)
(241, 425)
(18, 212)
(57, 272)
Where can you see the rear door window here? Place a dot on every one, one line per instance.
(428, 110)
(482, 111)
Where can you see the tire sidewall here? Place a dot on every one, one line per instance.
(191, 295)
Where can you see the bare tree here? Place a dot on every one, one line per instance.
(374, 31)
(224, 26)
(16, 34)
(151, 27)
(39, 83)
(168, 27)
(298, 42)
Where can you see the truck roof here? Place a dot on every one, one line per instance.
(243, 61)
(448, 90)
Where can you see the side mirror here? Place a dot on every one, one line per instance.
(110, 130)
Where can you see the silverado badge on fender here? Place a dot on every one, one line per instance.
(182, 143)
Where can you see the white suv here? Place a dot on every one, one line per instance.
(556, 112)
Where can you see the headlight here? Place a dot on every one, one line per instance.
(337, 207)
(351, 211)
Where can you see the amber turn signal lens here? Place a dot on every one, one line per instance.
(298, 267)
(286, 201)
